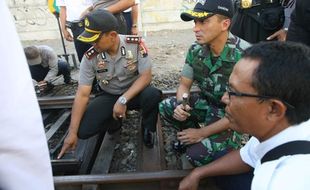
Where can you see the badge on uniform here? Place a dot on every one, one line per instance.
(246, 4)
(106, 79)
(131, 63)
(101, 64)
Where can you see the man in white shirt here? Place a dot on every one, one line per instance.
(70, 17)
(24, 156)
(268, 98)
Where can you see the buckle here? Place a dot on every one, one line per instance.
(245, 4)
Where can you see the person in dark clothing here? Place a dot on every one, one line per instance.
(254, 21)
(299, 29)
(45, 66)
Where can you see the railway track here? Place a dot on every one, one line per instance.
(88, 167)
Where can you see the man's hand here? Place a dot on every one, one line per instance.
(67, 35)
(119, 111)
(134, 30)
(42, 85)
(181, 112)
(190, 136)
(69, 144)
(190, 182)
(280, 35)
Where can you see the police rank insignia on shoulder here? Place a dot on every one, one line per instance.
(90, 53)
(133, 39)
(138, 40)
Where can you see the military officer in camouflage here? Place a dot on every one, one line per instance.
(123, 71)
(209, 62)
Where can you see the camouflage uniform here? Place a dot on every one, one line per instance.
(207, 106)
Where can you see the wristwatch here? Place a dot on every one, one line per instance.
(122, 100)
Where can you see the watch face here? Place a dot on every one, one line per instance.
(122, 100)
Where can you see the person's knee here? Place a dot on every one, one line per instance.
(167, 106)
(84, 134)
(198, 154)
(85, 131)
(151, 96)
(63, 65)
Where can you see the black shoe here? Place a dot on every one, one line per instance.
(148, 138)
(178, 147)
(71, 81)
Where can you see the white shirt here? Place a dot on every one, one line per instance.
(24, 156)
(74, 8)
(286, 173)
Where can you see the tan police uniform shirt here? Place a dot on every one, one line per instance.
(116, 75)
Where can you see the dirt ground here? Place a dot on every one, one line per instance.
(167, 48)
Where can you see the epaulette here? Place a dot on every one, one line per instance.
(90, 53)
(133, 39)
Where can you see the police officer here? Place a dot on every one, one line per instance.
(209, 62)
(70, 17)
(123, 71)
(255, 20)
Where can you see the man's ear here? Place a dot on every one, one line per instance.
(276, 110)
(113, 34)
(226, 24)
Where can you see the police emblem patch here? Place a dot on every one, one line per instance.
(246, 4)
(86, 22)
(101, 64)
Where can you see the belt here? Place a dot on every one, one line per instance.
(74, 24)
(245, 4)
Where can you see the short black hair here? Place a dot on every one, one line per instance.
(283, 72)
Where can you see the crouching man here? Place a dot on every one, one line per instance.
(122, 69)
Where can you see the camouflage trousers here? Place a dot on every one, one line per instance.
(202, 114)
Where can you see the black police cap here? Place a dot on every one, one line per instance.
(97, 22)
(206, 8)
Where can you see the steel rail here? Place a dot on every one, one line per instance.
(58, 102)
(132, 177)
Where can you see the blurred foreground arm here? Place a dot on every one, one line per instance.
(229, 164)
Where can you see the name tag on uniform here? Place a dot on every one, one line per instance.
(102, 70)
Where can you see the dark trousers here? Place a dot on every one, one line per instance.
(128, 19)
(122, 29)
(246, 27)
(298, 33)
(38, 72)
(99, 111)
(80, 47)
